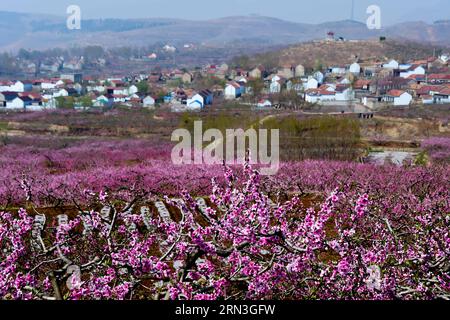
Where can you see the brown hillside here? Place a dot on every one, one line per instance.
(311, 54)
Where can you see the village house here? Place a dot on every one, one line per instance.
(208, 96)
(186, 77)
(73, 77)
(14, 102)
(398, 98)
(382, 86)
(132, 89)
(319, 76)
(286, 71)
(74, 64)
(102, 101)
(438, 78)
(2, 100)
(299, 71)
(15, 86)
(393, 64)
(355, 68)
(96, 88)
(195, 102)
(61, 93)
(337, 70)
(275, 84)
(319, 95)
(51, 67)
(118, 91)
(312, 83)
(148, 102)
(296, 85)
(256, 73)
(233, 90)
(413, 70)
(344, 93)
(442, 95)
(444, 58)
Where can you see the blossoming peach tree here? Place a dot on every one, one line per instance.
(350, 244)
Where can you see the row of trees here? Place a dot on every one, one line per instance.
(358, 242)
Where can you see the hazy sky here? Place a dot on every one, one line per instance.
(312, 11)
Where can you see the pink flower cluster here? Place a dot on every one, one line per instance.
(361, 242)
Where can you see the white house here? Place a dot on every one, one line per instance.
(133, 96)
(148, 101)
(319, 76)
(101, 101)
(255, 73)
(444, 57)
(290, 85)
(404, 66)
(427, 99)
(17, 86)
(319, 95)
(195, 102)
(442, 96)
(133, 89)
(60, 83)
(344, 94)
(355, 68)
(398, 98)
(275, 87)
(274, 78)
(419, 70)
(48, 85)
(232, 91)
(345, 81)
(16, 103)
(312, 83)
(169, 48)
(61, 93)
(391, 65)
(338, 70)
(299, 71)
(286, 72)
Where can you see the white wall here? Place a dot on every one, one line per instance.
(404, 100)
(312, 84)
(230, 92)
(17, 103)
(355, 68)
(391, 65)
(275, 87)
(418, 70)
(192, 102)
(346, 95)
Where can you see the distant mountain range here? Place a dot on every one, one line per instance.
(32, 31)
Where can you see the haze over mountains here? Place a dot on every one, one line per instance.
(34, 31)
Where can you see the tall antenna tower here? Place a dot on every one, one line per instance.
(352, 13)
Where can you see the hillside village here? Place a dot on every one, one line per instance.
(372, 83)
